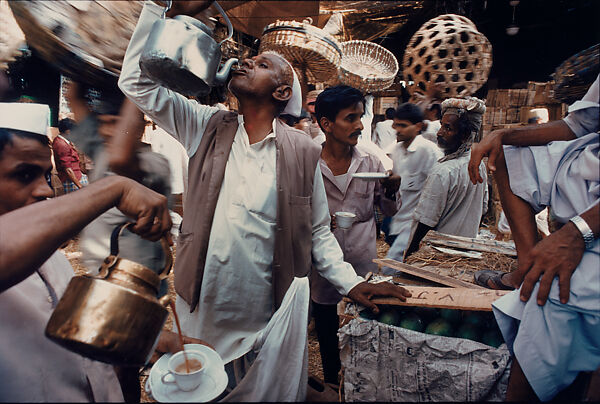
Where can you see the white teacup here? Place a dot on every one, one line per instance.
(344, 220)
(177, 373)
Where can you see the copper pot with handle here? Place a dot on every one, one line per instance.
(114, 317)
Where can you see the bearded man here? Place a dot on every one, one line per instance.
(449, 202)
(255, 219)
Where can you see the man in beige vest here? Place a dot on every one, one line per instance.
(255, 219)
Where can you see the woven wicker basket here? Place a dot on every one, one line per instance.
(575, 75)
(85, 40)
(450, 51)
(367, 66)
(307, 47)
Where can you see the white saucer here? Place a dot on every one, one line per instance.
(214, 380)
(370, 176)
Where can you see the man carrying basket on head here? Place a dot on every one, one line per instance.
(255, 219)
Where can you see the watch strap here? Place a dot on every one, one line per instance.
(585, 230)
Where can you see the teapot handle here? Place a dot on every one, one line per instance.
(114, 251)
(229, 26)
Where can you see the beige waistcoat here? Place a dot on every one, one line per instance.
(297, 157)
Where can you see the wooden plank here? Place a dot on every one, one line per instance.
(473, 244)
(447, 298)
(425, 274)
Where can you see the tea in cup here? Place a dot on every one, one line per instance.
(178, 370)
(344, 220)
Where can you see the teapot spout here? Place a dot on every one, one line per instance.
(222, 75)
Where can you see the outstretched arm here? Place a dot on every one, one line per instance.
(30, 235)
(530, 135)
(184, 119)
(328, 258)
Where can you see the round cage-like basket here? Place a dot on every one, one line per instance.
(575, 75)
(448, 50)
(307, 47)
(367, 66)
(85, 39)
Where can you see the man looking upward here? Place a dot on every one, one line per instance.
(259, 219)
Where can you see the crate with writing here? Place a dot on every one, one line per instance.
(441, 344)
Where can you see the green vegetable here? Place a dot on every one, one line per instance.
(476, 319)
(468, 331)
(492, 338)
(367, 314)
(388, 317)
(453, 316)
(412, 322)
(426, 313)
(439, 326)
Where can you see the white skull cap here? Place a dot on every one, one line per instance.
(27, 117)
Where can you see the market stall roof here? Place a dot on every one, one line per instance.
(364, 20)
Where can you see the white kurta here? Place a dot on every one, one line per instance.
(236, 295)
(236, 301)
(412, 164)
(384, 134)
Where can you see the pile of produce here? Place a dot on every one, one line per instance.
(474, 325)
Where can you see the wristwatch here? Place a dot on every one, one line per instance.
(584, 229)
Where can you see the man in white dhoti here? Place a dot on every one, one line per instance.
(255, 219)
(555, 335)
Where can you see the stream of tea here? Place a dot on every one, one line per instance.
(187, 364)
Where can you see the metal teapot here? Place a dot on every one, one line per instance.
(181, 54)
(114, 317)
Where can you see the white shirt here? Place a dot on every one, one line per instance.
(431, 130)
(175, 154)
(449, 202)
(236, 296)
(412, 164)
(384, 134)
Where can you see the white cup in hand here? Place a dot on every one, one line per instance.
(344, 220)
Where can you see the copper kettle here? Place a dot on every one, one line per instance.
(114, 317)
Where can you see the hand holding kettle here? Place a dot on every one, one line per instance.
(181, 53)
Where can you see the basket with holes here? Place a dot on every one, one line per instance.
(448, 50)
(575, 75)
(85, 40)
(310, 49)
(367, 66)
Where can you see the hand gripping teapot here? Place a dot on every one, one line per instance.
(114, 317)
(181, 54)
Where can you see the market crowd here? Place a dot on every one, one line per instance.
(252, 199)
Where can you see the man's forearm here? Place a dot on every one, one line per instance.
(30, 235)
(73, 177)
(123, 145)
(420, 232)
(537, 135)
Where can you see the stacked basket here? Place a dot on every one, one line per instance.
(367, 66)
(575, 75)
(307, 47)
